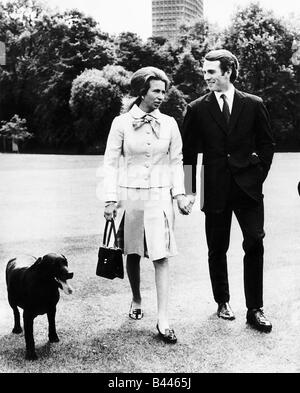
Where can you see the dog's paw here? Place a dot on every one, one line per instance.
(17, 330)
(54, 339)
(31, 356)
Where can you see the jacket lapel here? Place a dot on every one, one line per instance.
(215, 111)
(238, 103)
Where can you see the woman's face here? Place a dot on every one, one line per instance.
(154, 96)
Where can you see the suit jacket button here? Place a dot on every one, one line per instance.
(228, 155)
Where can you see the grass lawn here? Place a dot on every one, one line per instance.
(49, 204)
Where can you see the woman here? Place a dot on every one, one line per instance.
(143, 187)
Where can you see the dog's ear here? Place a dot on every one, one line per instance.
(45, 265)
(38, 261)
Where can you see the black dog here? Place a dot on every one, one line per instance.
(32, 284)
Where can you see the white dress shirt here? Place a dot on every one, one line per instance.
(229, 95)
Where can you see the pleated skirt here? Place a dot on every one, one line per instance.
(145, 222)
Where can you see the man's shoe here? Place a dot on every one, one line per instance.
(257, 319)
(224, 311)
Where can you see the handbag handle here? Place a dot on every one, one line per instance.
(112, 228)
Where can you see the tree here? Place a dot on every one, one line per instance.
(17, 21)
(263, 45)
(129, 51)
(159, 53)
(76, 43)
(94, 102)
(117, 76)
(193, 42)
(200, 32)
(132, 53)
(15, 130)
(46, 51)
(174, 105)
(188, 76)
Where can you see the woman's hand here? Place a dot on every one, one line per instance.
(110, 210)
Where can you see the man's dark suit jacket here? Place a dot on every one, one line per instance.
(243, 149)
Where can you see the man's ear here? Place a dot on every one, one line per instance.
(229, 72)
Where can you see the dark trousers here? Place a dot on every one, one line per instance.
(250, 216)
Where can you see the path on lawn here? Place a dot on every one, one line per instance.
(48, 203)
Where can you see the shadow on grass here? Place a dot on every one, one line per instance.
(12, 347)
(127, 349)
(13, 350)
(210, 345)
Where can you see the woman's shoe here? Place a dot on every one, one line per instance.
(169, 337)
(135, 313)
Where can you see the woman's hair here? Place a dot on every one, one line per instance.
(140, 82)
(227, 61)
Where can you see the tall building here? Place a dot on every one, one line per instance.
(168, 15)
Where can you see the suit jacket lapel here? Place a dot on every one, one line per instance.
(216, 112)
(237, 107)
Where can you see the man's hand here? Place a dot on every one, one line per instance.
(183, 204)
(110, 210)
(191, 199)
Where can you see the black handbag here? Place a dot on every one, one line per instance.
(110, 259)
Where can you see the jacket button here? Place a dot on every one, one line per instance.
(147, 165)
(147, 154)
(228, 155)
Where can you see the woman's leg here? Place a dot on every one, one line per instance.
(162, 290)
(133, 272)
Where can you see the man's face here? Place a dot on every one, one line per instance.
(214, 77)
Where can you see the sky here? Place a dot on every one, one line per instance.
(116, 16)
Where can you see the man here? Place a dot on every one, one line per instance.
(232, 130)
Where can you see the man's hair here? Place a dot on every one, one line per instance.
(227, 61)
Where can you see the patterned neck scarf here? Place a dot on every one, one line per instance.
(154, 123)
